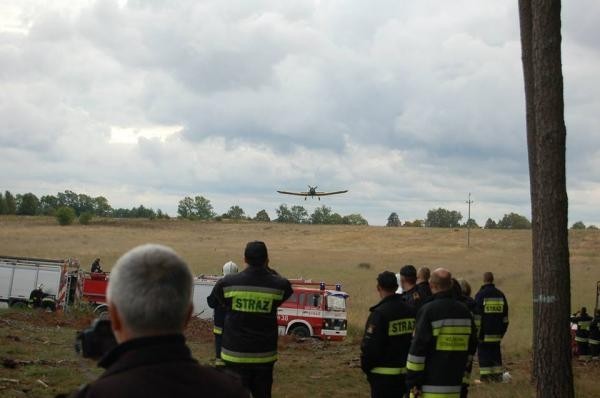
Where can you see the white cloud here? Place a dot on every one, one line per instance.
(408, 105)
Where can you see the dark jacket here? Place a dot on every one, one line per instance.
(583, 323)
(595, 330)
(442, 346)
(424, 289)
(387, 337)
(219, 312)
(493, 309)
(251, 298)
(160, 366)
(413, 297)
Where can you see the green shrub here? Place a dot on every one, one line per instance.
(85, 217)
(65, 215)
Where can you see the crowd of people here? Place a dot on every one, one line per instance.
(587, 334)
(422, 342)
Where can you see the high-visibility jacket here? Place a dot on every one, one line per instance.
(492, 308)
(387, 337)
(583, 322)
(442, 347)
(251, 298)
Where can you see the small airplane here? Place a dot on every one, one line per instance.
(312, 192)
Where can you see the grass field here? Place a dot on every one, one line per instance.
(331, 253)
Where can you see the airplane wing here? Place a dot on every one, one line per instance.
(294, 193)
(330, 193)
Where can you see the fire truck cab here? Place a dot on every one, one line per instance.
(311, 311)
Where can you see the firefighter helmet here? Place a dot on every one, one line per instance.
(230, 268)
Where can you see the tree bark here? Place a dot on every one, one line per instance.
(546, 137)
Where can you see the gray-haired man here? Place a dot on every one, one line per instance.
(150, 302)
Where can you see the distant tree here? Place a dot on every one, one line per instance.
(162, 215)
(592, 227)
(393, 220)
(202, 208)
(354, 219)
(490, 224)
(86, 217)
(235, 213)
(578, 225)
(284, 215)
(443, 218)
(101, 206)
(299, 214)
(65, 215)
(335, 218)
(262, 216)
(185, 209)
(11, 203)
(471, 223)
(85, 203)
(418, 223)
(321, 215)
(2, 204)
(28, 204)
(514, 221)
(48, 205)
(68, 199)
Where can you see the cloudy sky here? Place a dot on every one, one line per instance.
(410, 105)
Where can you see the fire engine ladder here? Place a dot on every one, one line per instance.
(321, 285)
(68, 293)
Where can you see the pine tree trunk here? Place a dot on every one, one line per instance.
(546, 137)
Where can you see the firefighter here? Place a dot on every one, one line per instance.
(492, 307)
(96, 267)
(423, 288)
(36, 296)
(386, 340)
(219, 313)
(408, 280)
(582, 335)
(594, 339)
(464, 296)
(251, 298)
(443, 344)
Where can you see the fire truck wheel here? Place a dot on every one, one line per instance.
(299, 331)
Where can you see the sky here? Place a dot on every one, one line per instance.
(410, 105)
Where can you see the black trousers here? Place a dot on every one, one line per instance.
(258, 379)
(387, 386)
(490, 361)
(218, 341)
(583, 349)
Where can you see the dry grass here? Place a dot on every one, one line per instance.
(333, 253)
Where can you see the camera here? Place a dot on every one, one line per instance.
(95, 341)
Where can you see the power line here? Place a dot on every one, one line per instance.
(469, 221)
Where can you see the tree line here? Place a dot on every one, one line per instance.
(68, 205)
(444, 218)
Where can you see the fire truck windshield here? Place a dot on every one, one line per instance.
(336, 303)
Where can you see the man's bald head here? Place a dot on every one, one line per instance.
(440, 280)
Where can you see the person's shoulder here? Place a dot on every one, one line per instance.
(221, 383)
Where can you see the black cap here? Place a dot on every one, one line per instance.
(387, 281)
(408, 270)
(256, 253)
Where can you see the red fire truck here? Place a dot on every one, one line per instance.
(315, 309)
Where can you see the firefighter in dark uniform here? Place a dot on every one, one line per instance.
(386, 340)
(423, 288)
(594, 340)
(219, 313)
(492, 307)
(96, 267)
(582, 335)
(251, 298)
(410, 292)
(443, 344)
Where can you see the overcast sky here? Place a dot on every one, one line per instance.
(410, 105)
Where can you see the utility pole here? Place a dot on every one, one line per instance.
(469, 221)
